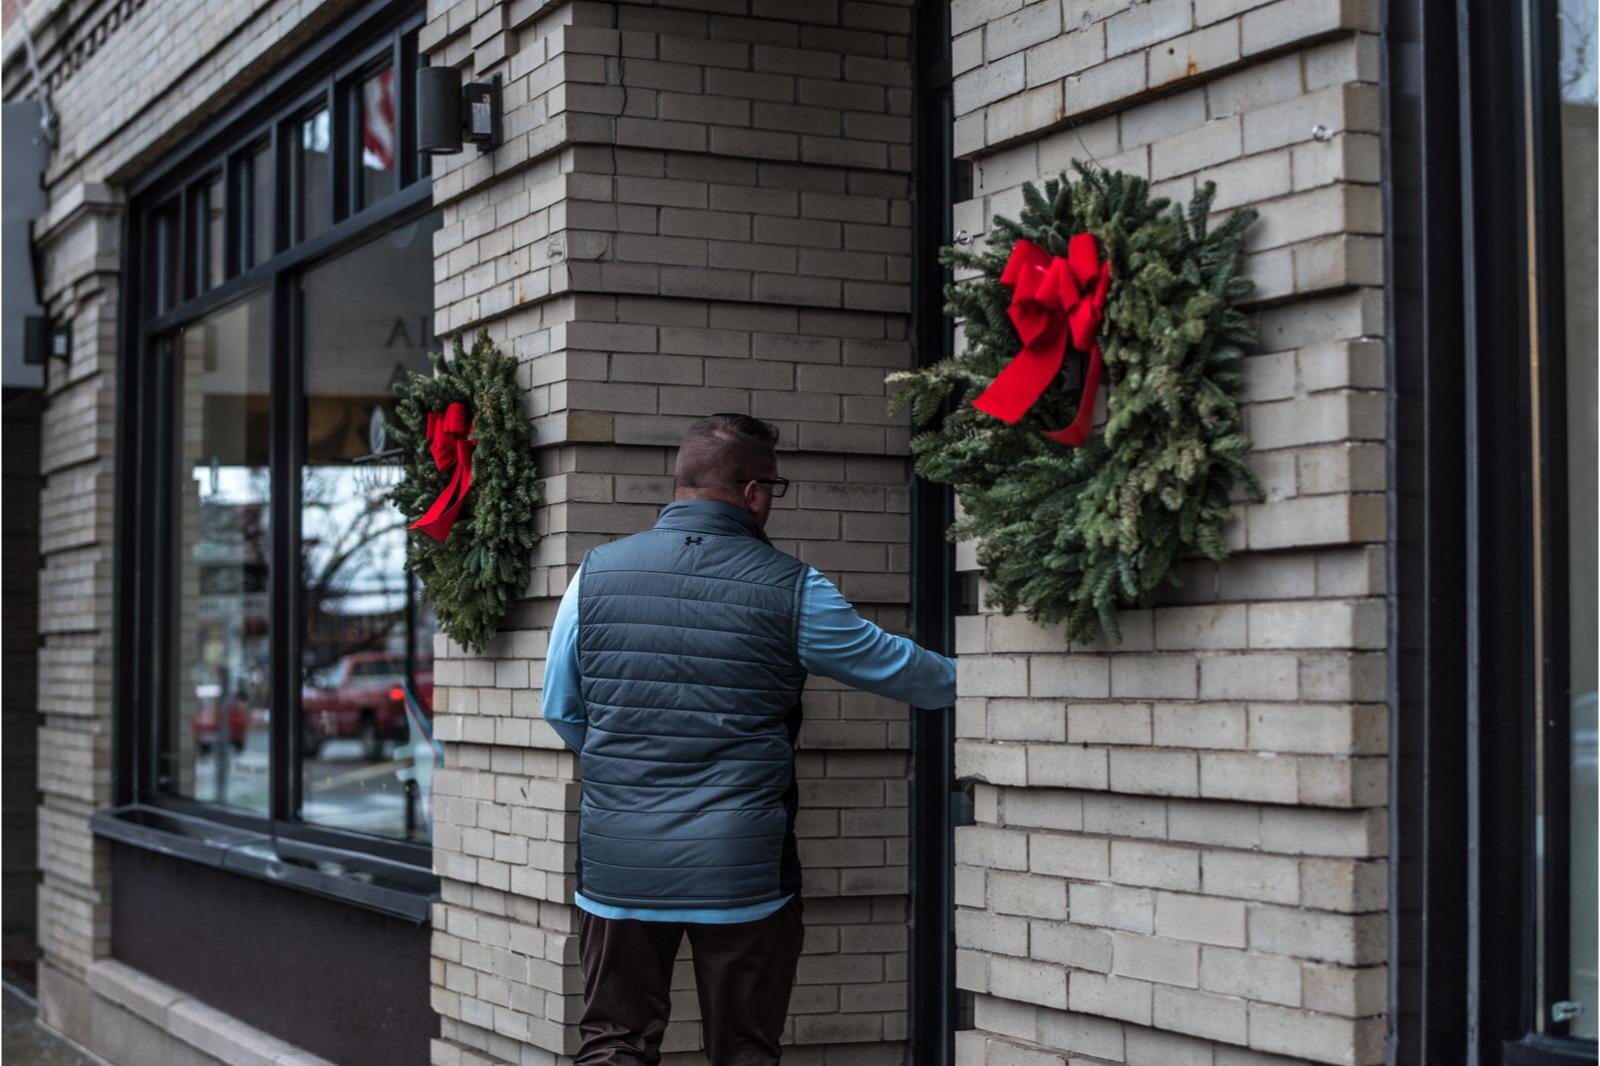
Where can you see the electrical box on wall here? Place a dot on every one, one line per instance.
(27, 338)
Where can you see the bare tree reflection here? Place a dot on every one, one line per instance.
(1578, 29)
(352, 569)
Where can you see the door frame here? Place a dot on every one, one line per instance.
(934, 802)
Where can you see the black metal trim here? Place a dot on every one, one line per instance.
(1428, 509)
(1499, 530)
(347, 150)
(236, 168)
(413, 164)
(355, 877)
(341, 157)
(416, 856)
(1538, 1050)
(156, 370)
(283, 201)
(288, 598)
(285, 418)
(128, 667)
(184, 288)
(931, 960)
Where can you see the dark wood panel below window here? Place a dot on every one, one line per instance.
(339, 981)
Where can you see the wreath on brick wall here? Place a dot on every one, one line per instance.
(469, 487)
(1075, 522)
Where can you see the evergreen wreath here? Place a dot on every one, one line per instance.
(471, 574)
(1073, 534)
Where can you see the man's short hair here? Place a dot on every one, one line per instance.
(720, 451)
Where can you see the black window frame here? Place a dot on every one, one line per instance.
(1478, 634)
(938, 801)
(227, 146)
(197, 253)
(163, 242)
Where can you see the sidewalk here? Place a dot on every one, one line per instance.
(27, 1043)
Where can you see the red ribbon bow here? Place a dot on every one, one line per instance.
(1054, 301)
(449, 440)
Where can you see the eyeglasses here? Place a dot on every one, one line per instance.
(779, 485)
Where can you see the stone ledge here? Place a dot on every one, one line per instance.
(206, 1029)
(78, 200)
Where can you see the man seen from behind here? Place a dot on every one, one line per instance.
(676, 664)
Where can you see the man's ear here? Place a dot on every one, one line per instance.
(747, 493)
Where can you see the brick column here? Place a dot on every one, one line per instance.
(1179, 848)
(79, 241)
(692, 213)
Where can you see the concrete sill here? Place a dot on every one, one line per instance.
(208, 1030)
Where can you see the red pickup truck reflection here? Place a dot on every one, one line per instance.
(363, 696)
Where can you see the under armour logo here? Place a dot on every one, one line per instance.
(693, 540)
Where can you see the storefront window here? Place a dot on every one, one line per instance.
(282, 660)
(367, 655)
(1577, 21)
(216, 744)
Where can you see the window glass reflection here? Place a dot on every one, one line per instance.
(379, 137)
(315, 175)
(215, 741)
(367, 749)
(1578, 166)
(215, 235)
(206, 237)
(261, 244)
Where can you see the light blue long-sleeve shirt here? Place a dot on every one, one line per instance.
(834, 641)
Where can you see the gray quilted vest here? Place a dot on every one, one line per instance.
(691, 679)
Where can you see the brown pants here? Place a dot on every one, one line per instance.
(743, 973)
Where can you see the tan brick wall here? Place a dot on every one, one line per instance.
(693, 212)
(75, 604)
(1179, 848)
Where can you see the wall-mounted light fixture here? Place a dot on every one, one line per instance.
(449, 112)
(43, 339)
